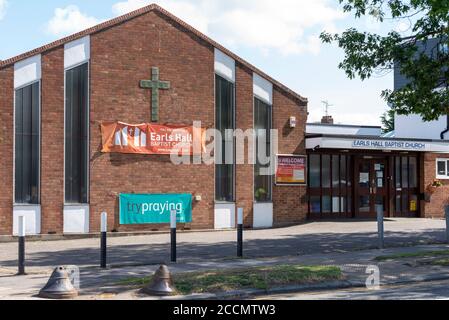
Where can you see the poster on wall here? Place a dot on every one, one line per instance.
(154, 208)
(291, 170)
(120, 137)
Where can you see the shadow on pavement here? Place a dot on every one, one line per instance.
(148, 254)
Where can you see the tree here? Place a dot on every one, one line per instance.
(427, 92)
(387, 120)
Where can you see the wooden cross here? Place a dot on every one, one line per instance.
(155, 85)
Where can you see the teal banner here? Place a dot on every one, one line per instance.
(154, 208)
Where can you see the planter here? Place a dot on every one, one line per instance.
(430, 190)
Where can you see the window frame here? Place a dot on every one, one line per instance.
(343, 191)
(446, 162)
(88, 132)
(234, 175)
(15, 203)
(272, 156)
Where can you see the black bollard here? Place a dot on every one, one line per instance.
(446, 209)
(21, 260)
(104, 232)
(173, 221)
(240, 232)
(380, 225)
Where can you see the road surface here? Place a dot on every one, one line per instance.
(438, 290)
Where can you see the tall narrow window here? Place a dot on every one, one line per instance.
(262, 126)
(27, 139)
(224, 151)
(76, 135)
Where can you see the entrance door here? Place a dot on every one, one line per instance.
(371, 187)
(406, 186)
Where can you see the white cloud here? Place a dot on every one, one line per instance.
(285, 26)
(3, 6)
(69, 20)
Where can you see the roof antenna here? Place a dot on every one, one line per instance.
(327, 105)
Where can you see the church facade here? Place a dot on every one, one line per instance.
(96, 122)
(147, 67)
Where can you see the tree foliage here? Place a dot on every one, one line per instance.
(366, 54)
(387, 120)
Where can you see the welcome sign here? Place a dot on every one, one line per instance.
(291, 170)
(154, 208)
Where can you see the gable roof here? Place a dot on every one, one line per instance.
(134, 14)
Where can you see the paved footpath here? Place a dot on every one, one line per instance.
(310, 238)
(345, 244)
(105, 284)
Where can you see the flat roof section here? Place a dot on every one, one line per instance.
(343, 129)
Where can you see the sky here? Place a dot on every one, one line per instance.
(280, 37)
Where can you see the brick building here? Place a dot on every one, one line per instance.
(353, 170)
(55, 100)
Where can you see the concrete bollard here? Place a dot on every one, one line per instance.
(162, 283)
(380, 225)
(59, 286)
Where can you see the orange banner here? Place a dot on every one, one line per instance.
(119, 137)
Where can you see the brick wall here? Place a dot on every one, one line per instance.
(290, 203)
(244, 121)
(52, 141)
(120, 57)
(6, 148)
(434, 208)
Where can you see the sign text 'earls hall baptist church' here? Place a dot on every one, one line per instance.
(119, 137)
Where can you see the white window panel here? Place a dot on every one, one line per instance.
(224, 66)
(442, 168)
(27, 71)
(263, 89)
(76, 52)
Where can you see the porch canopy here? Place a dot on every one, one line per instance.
(385, 144)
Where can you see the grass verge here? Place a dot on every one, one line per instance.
(250, 278)
(440, 262)
(422, 254)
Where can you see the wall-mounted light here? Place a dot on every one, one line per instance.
(292, 122)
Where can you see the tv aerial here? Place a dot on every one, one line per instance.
(327, 105)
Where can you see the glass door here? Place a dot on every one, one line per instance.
(330, 186)
(371, 187)
(406, 186)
